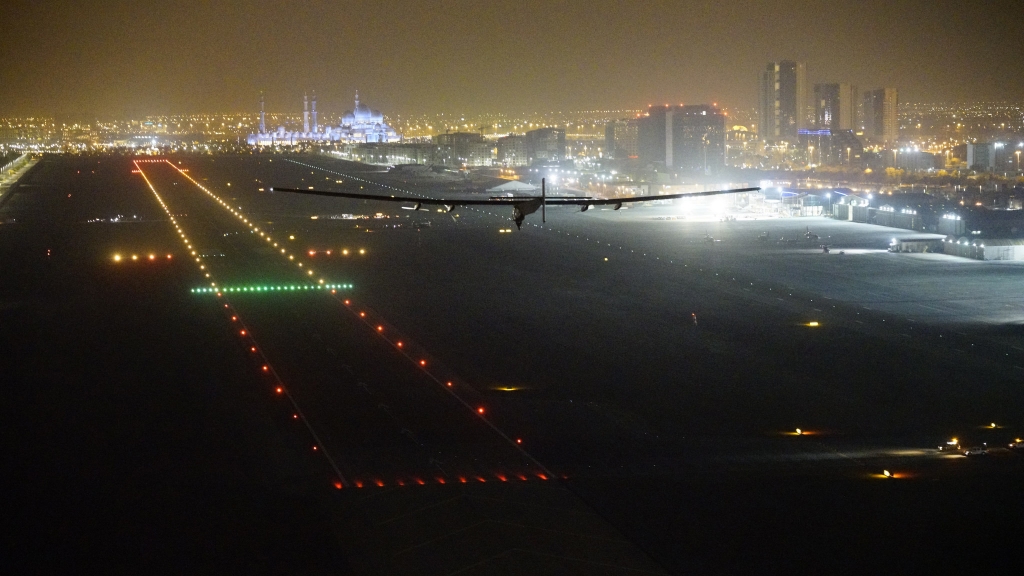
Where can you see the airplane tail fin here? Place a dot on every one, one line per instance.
(543, 202)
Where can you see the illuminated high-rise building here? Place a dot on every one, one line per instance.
(685, 138)
(835, 106)
(783, 96)
(880, 120)
(981, 156)
(620, 138)
(546, 145)
(512, 150)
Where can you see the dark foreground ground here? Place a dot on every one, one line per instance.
(619, 436)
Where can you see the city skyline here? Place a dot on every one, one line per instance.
(131, 60)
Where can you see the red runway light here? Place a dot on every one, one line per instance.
(502, 477)
(420, 481)
(315, 448)
(333, 291)
(278, 390)
(337, 485)
(347, 302)
(265, 368)
(253, 349)
(519, 440)
(541, 476)
(462, 479)
(480, 410)
(440, 480)
(481, 479)
(423, 362)
(295, 416)
(380, 328)
(449, 384)
(362, 314)
(242, 332)
(521, 477)
(359, 483)
(401, 483)
(234, 318)
(311, 252)
(379, 483)
(399, 344)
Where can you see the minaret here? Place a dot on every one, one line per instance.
(357, 100)
(305, 114)
(314, 112)
(263, 116)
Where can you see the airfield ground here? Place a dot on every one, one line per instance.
(644, 381)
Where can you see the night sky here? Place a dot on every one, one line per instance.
(115, 58)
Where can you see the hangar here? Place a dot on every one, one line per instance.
(985, 248)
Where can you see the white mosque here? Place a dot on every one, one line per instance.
(358, 125)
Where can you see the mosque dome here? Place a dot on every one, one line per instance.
(362, 112)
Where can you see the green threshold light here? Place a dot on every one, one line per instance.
(271, 288)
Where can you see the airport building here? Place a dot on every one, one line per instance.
(359, 125)
(389, 154)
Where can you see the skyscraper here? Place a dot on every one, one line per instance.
(685, 138)
(620, 138)
(880, 120)
(835, 106)
(783, 108)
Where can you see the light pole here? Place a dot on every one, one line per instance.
(1018, 159)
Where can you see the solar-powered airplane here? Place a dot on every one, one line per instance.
(521, 205)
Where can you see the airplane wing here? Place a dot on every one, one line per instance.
(521, 205)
